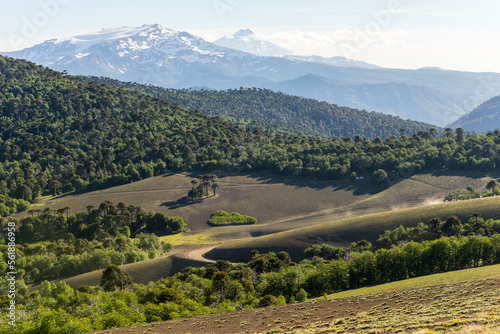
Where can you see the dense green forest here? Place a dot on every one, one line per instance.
(278, 111)
(58, 134)
(53, 243)
(266, 279)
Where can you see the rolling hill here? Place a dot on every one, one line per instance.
(342, 232)
(460, 302)
(61, 135)
(281, 112)
(484, 118)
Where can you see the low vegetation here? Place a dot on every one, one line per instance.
(222, 218)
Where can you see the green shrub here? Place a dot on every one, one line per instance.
(222, 218)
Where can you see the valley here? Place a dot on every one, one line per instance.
(292, 214)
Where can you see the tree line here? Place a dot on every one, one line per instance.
(105, 220)
(492, 189)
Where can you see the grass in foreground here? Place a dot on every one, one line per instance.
(465, 301)
(451, 277)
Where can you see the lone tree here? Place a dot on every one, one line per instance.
(113, 278)
(492, 185)
(220, 283)
(214, 187)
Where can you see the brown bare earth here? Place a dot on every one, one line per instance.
(292, 213)
(463, 307)
(271, 198)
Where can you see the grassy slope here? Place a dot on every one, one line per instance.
(256, 194)
(343, 232)
(463, 301)
(271, 198)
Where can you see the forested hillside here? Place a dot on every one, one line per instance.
(483, 118)
(279, 112)
(58, 134)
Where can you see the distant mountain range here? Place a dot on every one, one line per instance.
(484, 118)
(152, 54)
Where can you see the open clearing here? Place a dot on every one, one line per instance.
(468, 302)
(272, 198)
(292, 214)
(343, 232)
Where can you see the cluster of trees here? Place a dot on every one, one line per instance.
(106, 220)
(9, 205)
(435, 228)
(54, 243)
(223, 218)
(71, 256)
(275, 111)
(200, 188)
(492, 189)
(59, 134)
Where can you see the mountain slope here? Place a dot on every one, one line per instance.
(399, 99)
(155, 55)
(281, 112)
(247, 41)
(484, 118)
(333, 61)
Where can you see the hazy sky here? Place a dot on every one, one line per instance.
(456, 34)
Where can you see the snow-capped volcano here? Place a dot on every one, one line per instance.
(127, 43)
(248, 41)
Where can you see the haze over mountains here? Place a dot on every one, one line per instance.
(156, 55)
(485, 117)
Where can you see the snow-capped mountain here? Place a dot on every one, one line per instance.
(130, 53)
(152, 54)
(248, 41)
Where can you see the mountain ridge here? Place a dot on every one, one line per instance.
(280, 112)
(484, 118)
(247, 41)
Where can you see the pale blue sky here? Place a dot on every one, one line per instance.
(455, 34)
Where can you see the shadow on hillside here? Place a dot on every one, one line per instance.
(360, 187)
(466, 173)
(181, 202)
